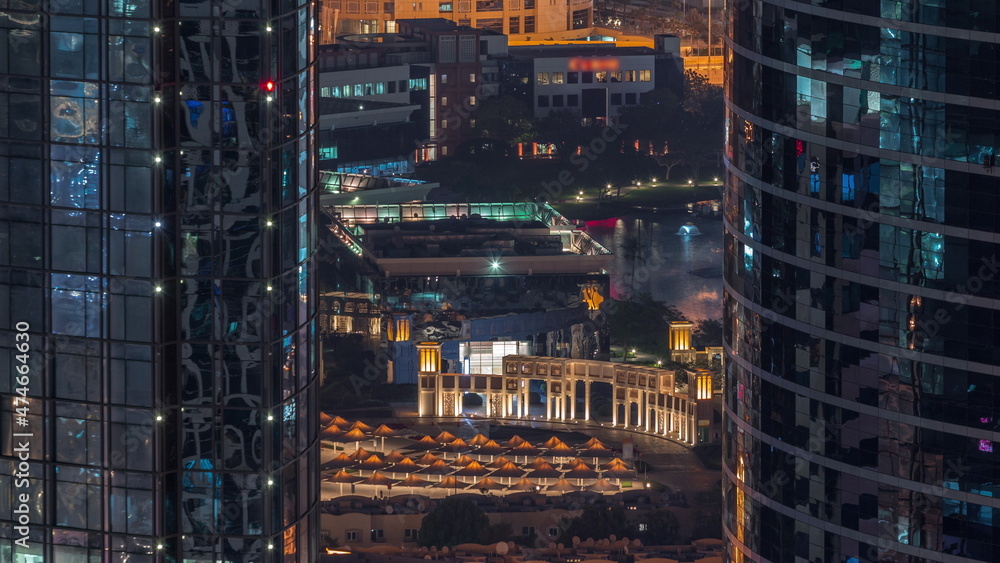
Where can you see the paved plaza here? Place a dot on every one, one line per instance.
(669, 463)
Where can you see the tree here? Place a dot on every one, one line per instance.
(642, 323)
(563, 129)
(598, 522)
(707, 332)
(661, 527)
(681, 131)
(697, 136)
(496, 533)
(707, 515)
(506, 118)
(453, 521)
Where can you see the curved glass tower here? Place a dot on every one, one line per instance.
(157, 245)
(862, 258)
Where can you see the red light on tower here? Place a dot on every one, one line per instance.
(269, 86)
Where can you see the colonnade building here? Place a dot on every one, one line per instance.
(645, 399)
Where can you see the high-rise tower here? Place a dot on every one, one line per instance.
(157, 246)
(862, 312)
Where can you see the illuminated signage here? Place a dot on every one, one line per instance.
(581, 64)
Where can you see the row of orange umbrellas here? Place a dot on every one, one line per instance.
(500, 468)
(379, 480)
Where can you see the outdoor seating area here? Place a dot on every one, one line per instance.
(377, 461)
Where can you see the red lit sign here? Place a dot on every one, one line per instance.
(581, 64)
(269, 86)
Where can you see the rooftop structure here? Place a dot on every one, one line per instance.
(471, 274)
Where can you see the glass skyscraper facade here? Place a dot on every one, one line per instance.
(157, 296)
(861, 310)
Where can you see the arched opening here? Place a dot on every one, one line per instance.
(601, 404)
(474, 404)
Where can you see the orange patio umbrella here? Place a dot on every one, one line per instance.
(450, 482)
(490, 448)
(331, 432)
(515, 440)
(384, 432)
(425, 443)
(473, 469)
(341, 461)
(428, 458)
(445, 437)
(498, 462)
(551, 442)
(463, 461)
(439, 467)
(478, 440)
(524, 448)
(536, 463)
(616, 462)
(342, 477)
(378, 480)
(456, 445)
(573, 464)
(509, 470)
(361, 454)
(562, 485)
(602, 486)
(372, 463)
(593, 441)
(406, 465)
(394, 457)
(413, 481)
(361, 426)
(524, 485)
(487, 484)
(354, 435)
(561, 450)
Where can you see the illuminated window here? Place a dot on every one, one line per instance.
(472, 100)
(645, 75)
(542, 78)
(601, 76)
(558, 77)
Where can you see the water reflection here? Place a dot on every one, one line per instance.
(683, 271)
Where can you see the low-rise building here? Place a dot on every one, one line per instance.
(484, 280)
(594, 81)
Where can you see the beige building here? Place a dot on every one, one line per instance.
(686, 414)
(518, 18)
(365, 529)
(680, 345)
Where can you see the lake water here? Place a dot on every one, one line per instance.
(683, 271)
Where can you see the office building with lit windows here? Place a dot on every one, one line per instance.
(157, 228)
(521, 18)
(861, 306)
